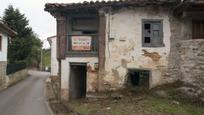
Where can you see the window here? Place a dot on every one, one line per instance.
(0, 43)
(84, 25)
(152, 31)
(198, 29)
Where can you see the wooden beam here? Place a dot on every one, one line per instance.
(197, 15)
(102, 39)
(61, 36)
(101, 50)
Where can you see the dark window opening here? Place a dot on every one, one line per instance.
(83, 36)
(147, 40)
(147, 26)
(85, 25)
(89, 32)
(138, 78)
(78, 80)
(152, 32)
(198, 30)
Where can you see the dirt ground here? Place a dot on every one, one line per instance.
(130, 101)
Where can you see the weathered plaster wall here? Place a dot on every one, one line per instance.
(54, 61)
(126, 51)
(3, 52)
(91, 74)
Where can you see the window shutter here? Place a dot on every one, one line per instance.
(152, 33)
(156, 34)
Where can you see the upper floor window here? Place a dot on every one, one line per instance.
(198, 29)
(0, 43)
(84, 25)
(152, 33)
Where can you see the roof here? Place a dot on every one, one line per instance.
(49, 39)
(56, 7)
(6, 29)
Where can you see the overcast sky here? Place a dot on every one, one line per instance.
(42, 22)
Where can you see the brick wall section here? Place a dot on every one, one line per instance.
(2, 74)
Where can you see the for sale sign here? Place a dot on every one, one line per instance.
(81, 43)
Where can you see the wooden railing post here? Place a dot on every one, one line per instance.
(61, 36)
(102, 47)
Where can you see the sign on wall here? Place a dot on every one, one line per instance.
(81, 43)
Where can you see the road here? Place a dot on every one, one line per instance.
(26, 97)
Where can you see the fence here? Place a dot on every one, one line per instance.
(12, 68)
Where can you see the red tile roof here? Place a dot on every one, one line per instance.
(53, 7)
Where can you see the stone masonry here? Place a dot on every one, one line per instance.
(2, 74)
(192, 63)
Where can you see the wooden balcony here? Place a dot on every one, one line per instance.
(82, 45)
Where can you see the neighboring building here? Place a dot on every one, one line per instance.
(54, 61)
(106, 45)
(5, 34)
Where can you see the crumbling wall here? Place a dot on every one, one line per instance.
(16, 77)
(192, 63)
(124, 46)
(180, 30)
(92, 74)
(186, 61)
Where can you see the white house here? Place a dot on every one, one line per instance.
(54, 62)
(5, 34)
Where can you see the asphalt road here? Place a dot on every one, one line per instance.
(26, 97)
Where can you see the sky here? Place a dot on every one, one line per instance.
(43, 24)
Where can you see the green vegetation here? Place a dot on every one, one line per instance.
(46, 60)
(133, 104)
(26, 46)
(168, 106)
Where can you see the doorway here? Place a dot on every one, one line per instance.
(78, 78)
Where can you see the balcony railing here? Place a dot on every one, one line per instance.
(82, 45)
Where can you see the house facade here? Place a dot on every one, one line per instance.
(5, 34)
(54, 62)
(110, 45)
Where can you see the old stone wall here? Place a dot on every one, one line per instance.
(2, 74)
(180, 30)
(192, 62)
(17, 76)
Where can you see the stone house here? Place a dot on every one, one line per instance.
(54, 62)
(108, 45)
(5, 34)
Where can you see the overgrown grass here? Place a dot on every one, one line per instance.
(127, 106)
(168, 106)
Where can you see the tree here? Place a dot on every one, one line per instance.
(26, 45)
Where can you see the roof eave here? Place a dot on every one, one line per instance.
(8, 30)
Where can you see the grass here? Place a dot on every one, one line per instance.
(131, 106)
(167, 106)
